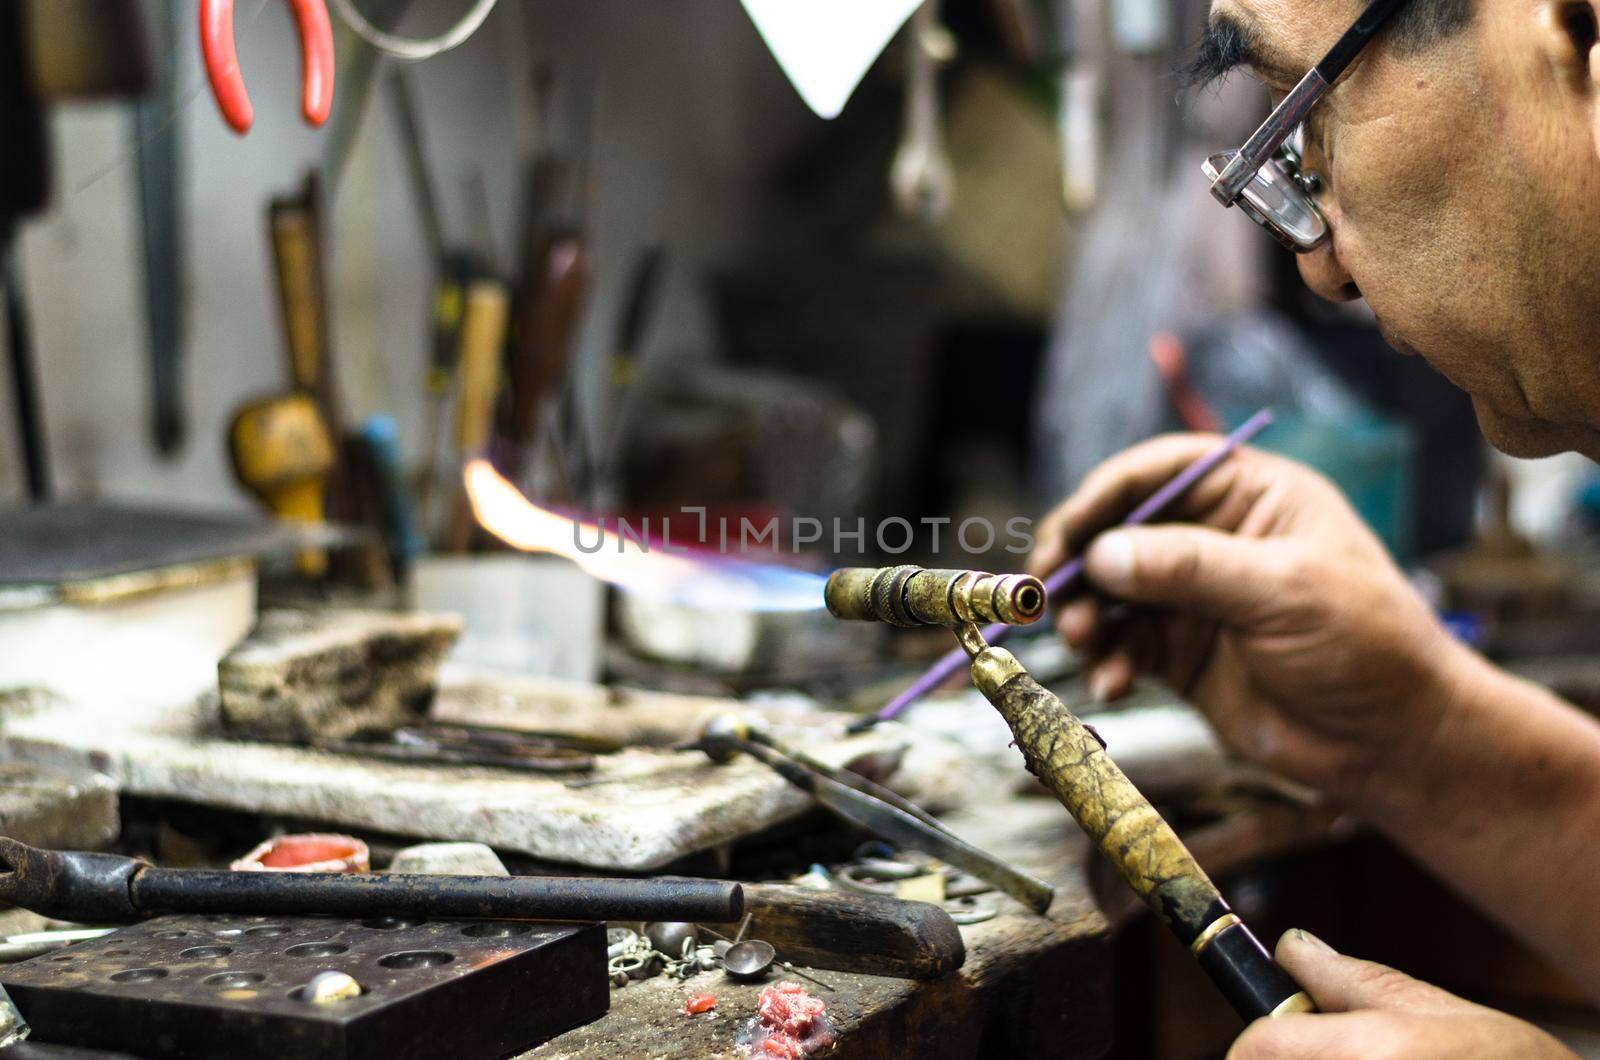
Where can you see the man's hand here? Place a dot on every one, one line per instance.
(1369, 1012)
(1279, 615)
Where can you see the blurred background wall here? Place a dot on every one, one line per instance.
(690, 111)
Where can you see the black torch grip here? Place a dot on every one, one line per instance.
(1248, 977)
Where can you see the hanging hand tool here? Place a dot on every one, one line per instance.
(222, 62)
(49, 52)
(354, 494)
(483, 337)
(921, 175)
(282, 452)
(294, 224)
(551, 293)
(380, 439)
(24, 190)
(160, 215)
(109, 888)
(1070, 759)
(550, 304)
(622, 369)
(870, 806)
(285, 448)
(454, 267)
(361, 66)
(1077, 31)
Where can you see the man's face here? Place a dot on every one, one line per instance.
(1463, 192)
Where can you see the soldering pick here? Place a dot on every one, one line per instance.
(1070, 571)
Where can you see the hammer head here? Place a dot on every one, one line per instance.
(915, 596)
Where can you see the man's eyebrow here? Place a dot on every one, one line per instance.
(1227, 44)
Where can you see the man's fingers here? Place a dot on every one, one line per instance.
(1368, 1010)
(1121, 483)
(1076, 622)
(1115, 488)
(1213, 573)
(1341, 984)
(1112, 677)
(1346, 1036)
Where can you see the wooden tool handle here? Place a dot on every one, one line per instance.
(844, 932)
(295, 225)
(1070, 760)
(483, 335)
(548, 315)
(282, 453)
(481, 341)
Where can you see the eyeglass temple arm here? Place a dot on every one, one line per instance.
(1292, 111)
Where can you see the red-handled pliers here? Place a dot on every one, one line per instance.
(222, 62)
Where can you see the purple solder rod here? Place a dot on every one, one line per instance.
(1068, 572)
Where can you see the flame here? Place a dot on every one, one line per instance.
(702, 580)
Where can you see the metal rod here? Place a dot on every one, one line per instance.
(1069, 572)
(110, 888)
(511, 897)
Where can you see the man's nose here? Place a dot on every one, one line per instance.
(1326, 274)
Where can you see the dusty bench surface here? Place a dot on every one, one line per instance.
(1031, 985)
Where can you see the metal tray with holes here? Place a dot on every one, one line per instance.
(226, 985)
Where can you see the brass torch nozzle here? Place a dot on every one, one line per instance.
(915, 596)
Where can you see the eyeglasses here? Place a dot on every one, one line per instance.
(1263, 177)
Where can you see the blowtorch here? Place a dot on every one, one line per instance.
(1070, 760)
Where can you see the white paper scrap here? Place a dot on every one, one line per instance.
(826, 46)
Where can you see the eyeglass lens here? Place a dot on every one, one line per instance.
(1273, 200)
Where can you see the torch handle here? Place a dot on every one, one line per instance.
(1070, 760)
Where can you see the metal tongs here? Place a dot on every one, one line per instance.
(871, 806)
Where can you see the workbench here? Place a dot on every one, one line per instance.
(1031, 986)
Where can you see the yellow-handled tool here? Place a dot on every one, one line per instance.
(482, 341)
(282, 452)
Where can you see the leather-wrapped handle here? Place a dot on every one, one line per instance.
(1070, 760)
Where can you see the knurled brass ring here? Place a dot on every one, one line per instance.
(889, 596)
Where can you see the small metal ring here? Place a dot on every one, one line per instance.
(966, 911)
(1213, 929)
(1297, 1002)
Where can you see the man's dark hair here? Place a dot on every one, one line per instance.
(1423, 23)
(1418, 25)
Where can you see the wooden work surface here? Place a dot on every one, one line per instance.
(1031, 986)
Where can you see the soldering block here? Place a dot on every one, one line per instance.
(225, 985)
(304, 676)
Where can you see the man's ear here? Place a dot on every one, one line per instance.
(1570, 31)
